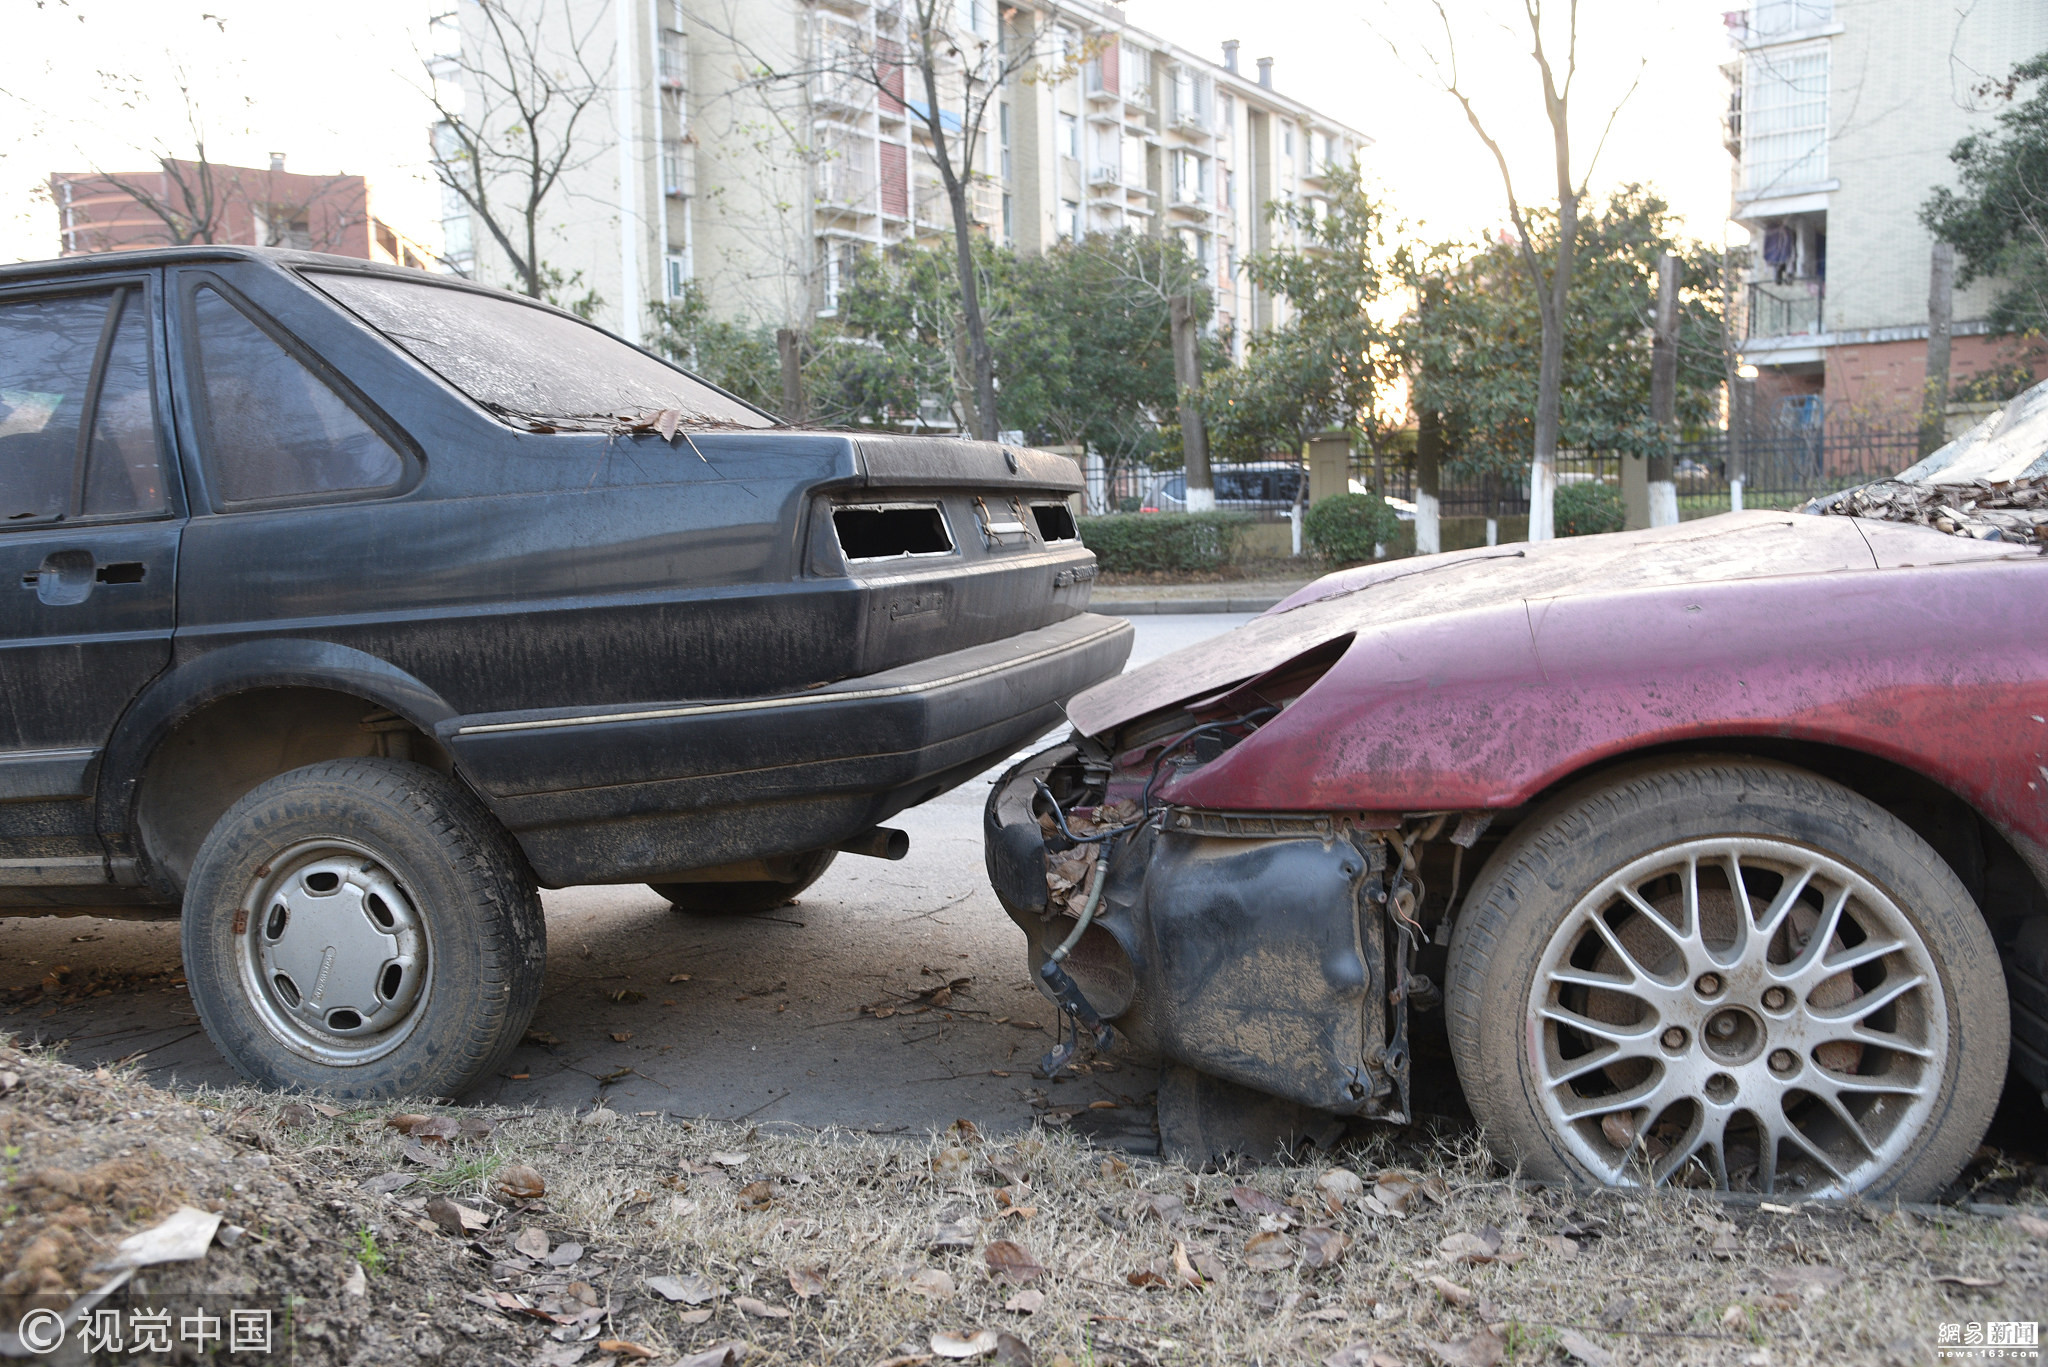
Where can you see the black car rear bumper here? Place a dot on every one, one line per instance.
(635, 794)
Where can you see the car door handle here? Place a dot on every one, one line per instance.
(67, 577)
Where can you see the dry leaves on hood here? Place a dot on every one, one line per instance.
(520, 1182)
(1012, 1262)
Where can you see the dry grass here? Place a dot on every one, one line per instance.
(1660, 1277)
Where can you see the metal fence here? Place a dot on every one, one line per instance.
(1781, 466)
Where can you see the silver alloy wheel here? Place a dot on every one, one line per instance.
(333, 952)
(1738, 1012)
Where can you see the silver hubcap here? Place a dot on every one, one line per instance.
(1740, 1013)
(334, 953)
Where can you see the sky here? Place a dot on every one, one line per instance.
(93, 84)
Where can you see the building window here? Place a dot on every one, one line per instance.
(673, 59)
(1775, 18)
(1230, 189)
(1287, 140)
(1784, 120)
(675, 168)
(677, 271)
(1134, 73)
(1070, 220)
(1009, 224)
(1003, 129)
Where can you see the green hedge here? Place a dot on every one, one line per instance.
(1135, 542)
(1346, 527)
(1587, 509)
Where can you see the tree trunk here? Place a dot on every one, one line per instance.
(981, 360)
(1429, 454)
(789, 349)
(1187, 378)
(1941, 281)
(1664, 394)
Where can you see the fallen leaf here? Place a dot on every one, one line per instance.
(1012, 1262)
(455, 1217)
(694, 1316)
(1012, 1351)
(679, 977)
(626, 1347)
(1619, 1127)
(1807, 1282)
(1102, 1105)
(1167, 1208)
(1471, 1248)
(541, 1037)
(730, 1160)
(961, 1346)
(385, 1183)
(533, 1242)
(1396, 1191)
(404, 1122)
(1256, 1201)
(691, 1288)
(1482, 1349)
(757, 1195)
(1561, 1246)
(727, 1354)
(931, 1282)
(564, 1255)
(1322, 1246)
(1584, 1349)
(585, 1292)
(475, 1127)
(416, 1152)
(1358, 1354)
(1026, 1302)
(1959, 1279)
(621, 1036)
(807, 1282)
(1341, 1184)
(520, 1182)
(955, 1233)
(1451, 1291)
(1270, 1251)
(2033, 1226)
(356, 1283)
(436, 1129)
(760, 1309)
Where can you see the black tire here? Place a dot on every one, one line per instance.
(1529, 918)
(461, 937)
(748, 898)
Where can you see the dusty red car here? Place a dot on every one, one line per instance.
(1722, 848)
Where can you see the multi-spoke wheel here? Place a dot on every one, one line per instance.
(1730, 974)
(362, 927)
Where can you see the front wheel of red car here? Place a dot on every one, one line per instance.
(1727, 973)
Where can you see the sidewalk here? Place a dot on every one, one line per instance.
(1145, 600)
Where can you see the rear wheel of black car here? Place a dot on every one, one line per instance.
(1727, 973)
(793, 874)
(365, 928)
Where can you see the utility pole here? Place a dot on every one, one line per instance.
(789, 349)
(1664, 393)
(1941, 288)
(1187, 378)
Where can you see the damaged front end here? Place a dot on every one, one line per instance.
(1275, 951)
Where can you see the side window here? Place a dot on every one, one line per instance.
(48, 347)
(273, 429)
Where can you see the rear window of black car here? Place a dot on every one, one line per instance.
(531, 366)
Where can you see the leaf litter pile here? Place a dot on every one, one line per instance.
(411, 1234)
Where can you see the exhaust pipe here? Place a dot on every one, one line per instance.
(878, 842)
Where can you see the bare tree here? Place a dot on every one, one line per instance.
(956, 75)
(1550, 279)
(192, 198)
(517, 128)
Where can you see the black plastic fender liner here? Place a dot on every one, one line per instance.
(1013, 845)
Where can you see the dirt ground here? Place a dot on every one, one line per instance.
(592, 1238)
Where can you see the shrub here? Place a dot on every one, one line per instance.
(1346, 527)
(1586, 509)
(1136, 542)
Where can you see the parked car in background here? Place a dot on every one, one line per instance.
(353, 604)
(1269, 486)
(1722, 849)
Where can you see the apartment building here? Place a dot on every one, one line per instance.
(747, 154)
(246, 205)
(1841, 117)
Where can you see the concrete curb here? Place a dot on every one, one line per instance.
(1150, 607)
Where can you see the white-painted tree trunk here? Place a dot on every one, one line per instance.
(1542, 501)
(1493, 531)
(1428, 524)
(1294, 522)
(1735, 495)
(1201, 500)
(1663, 503)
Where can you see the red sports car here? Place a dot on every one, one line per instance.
(1723, 848)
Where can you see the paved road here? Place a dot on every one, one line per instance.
(756, 1017)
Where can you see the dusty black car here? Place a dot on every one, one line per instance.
(350, 605)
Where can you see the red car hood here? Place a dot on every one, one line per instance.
(1733, 546)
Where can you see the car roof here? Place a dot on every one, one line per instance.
(104, 263)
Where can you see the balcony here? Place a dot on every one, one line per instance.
(1791, 309)
(1108, 175)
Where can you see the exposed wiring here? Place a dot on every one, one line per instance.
(1087, 912)
(1256, 714)
(1060, 819)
